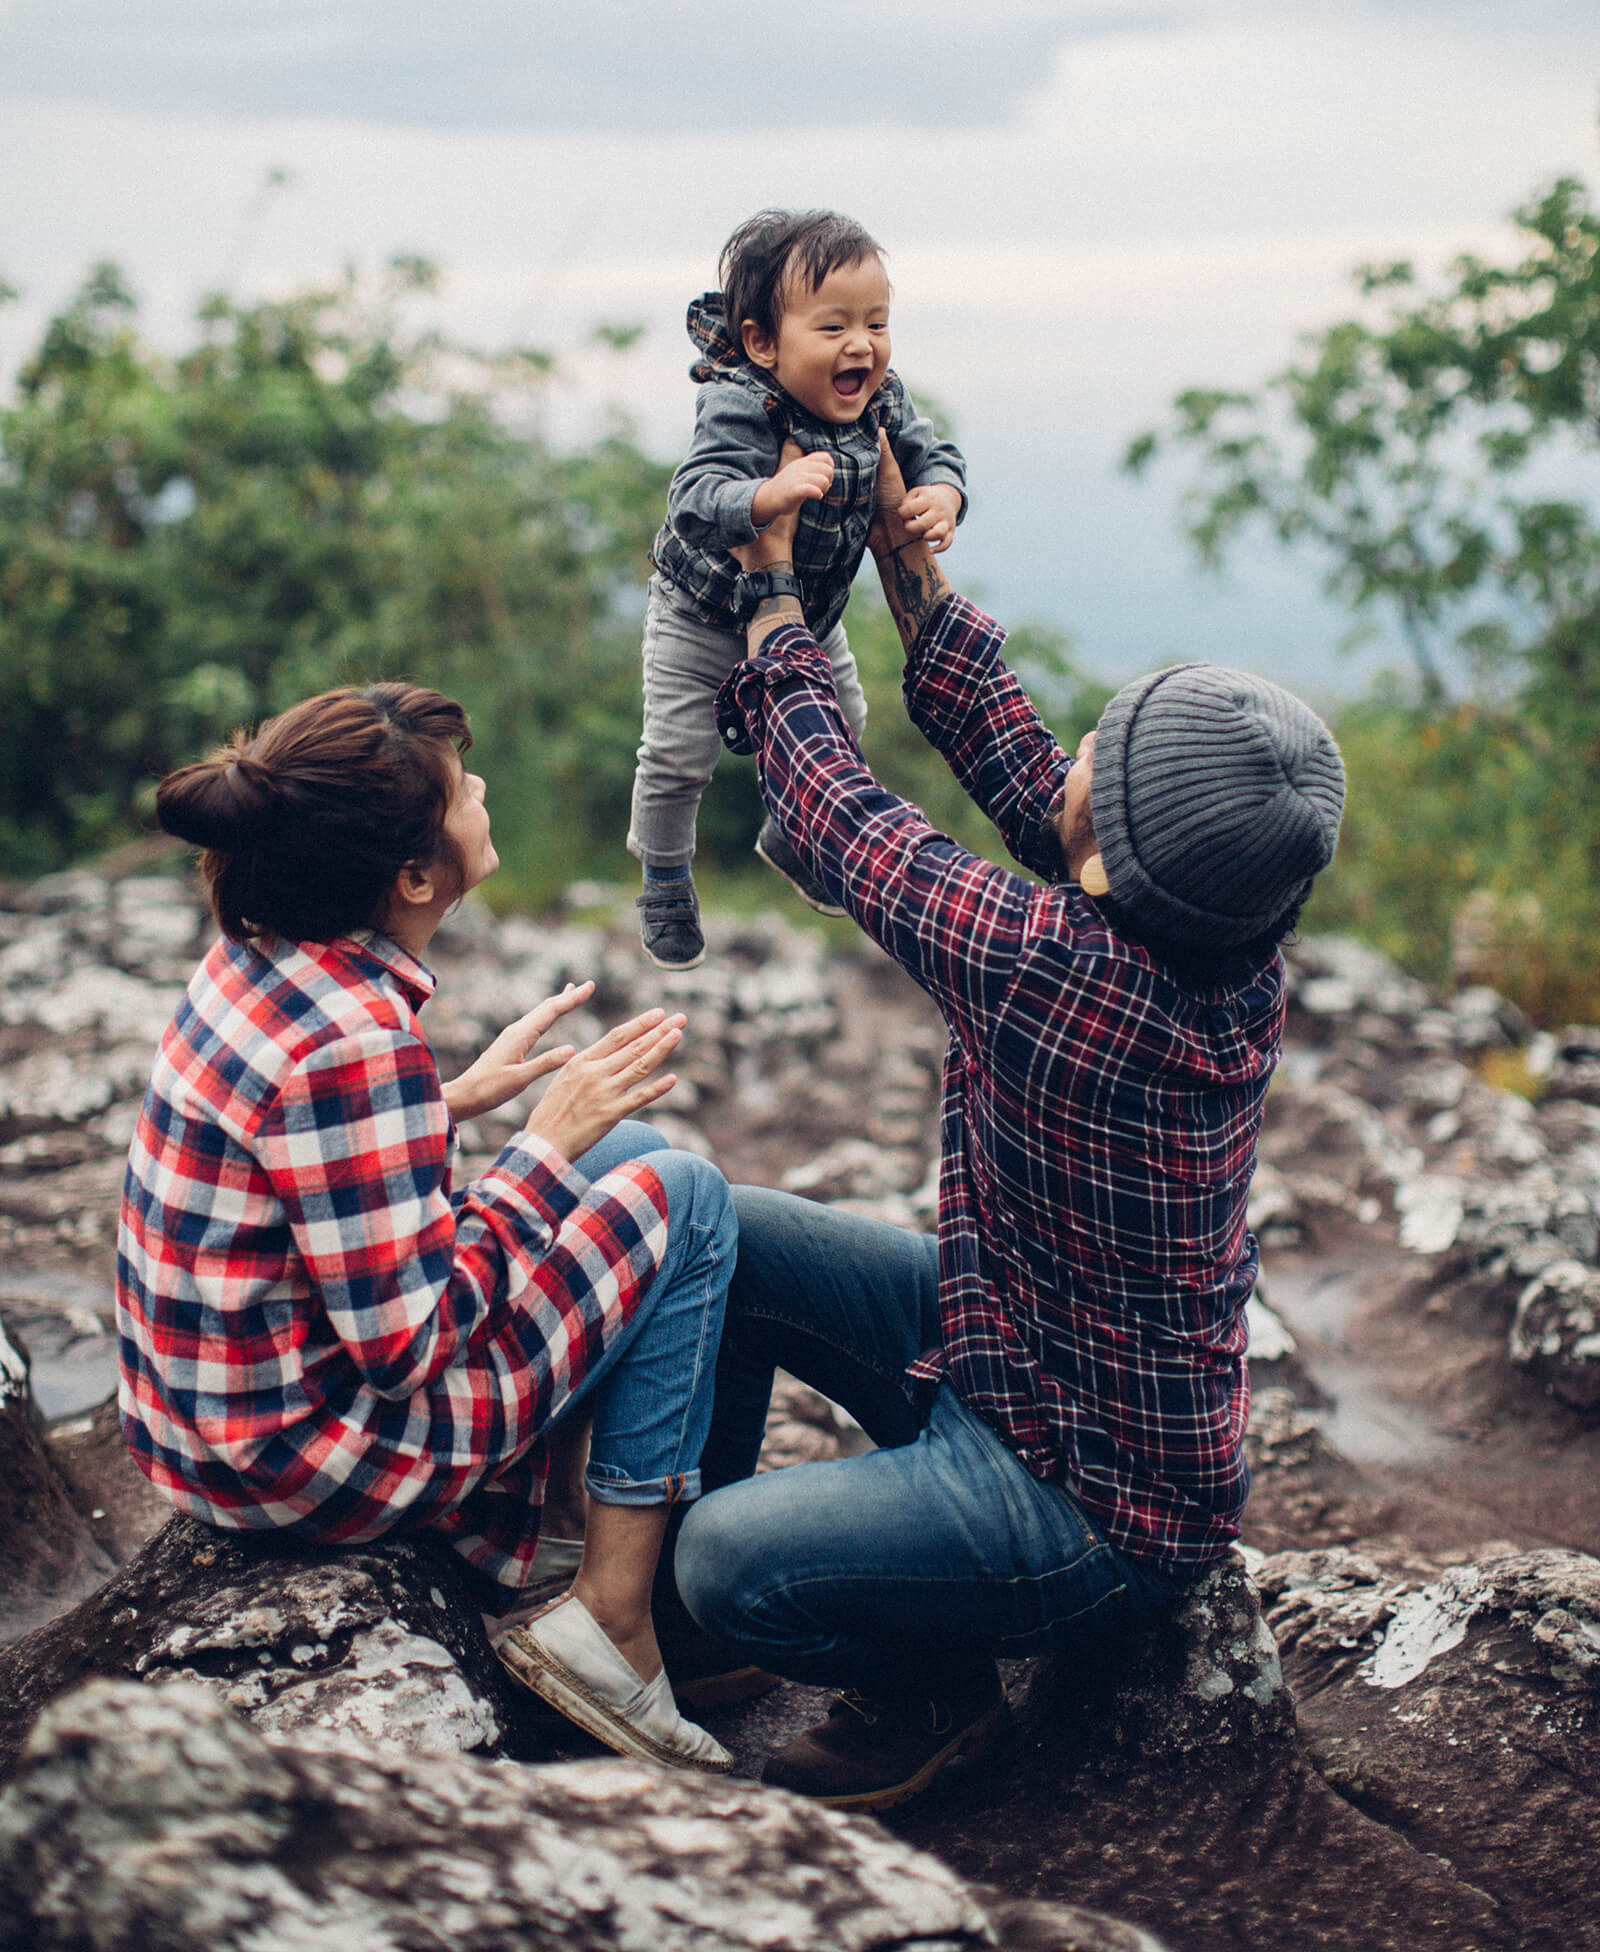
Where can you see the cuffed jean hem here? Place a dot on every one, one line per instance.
(611, 1488)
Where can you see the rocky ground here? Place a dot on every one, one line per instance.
(1411, 1766)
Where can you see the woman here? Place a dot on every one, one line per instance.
(318, 1337)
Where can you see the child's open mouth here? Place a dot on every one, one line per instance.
(848, 384)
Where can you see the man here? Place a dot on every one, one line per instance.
(1056, 1385)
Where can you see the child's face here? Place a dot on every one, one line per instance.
(832, 346)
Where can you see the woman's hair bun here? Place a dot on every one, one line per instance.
(305, 826)
(222, 803)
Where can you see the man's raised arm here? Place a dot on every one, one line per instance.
(968, 705)
(913, 582)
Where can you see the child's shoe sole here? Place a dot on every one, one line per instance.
(790, 871)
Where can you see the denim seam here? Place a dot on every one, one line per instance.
(829, 1582)
(702, 1231)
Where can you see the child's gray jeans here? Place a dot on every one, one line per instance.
(685, 660)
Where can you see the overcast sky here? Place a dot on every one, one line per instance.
(1087, 204)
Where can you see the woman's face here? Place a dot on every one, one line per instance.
(467, 825)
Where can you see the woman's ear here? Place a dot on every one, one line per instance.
(414, 887)
(760, 346)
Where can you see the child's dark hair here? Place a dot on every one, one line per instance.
(306, 826)
(759, 257)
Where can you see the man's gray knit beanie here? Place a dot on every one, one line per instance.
(1215, 799)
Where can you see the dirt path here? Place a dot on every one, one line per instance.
(1458, 1447)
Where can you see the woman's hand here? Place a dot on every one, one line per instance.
(505, 1070)
(607, 1082)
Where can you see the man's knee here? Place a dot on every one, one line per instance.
(775, 1229)
(760, 1206)
(711, 1557)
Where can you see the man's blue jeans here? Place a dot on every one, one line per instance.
(886, 1572)
(651, 1392)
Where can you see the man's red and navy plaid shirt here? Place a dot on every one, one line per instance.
(317, 1337)
(1099, 1118)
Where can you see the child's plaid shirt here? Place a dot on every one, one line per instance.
(1099, 1120)
(317, 1337)
(742, 418)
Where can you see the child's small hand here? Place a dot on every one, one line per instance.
(930, 513)
(805, 478)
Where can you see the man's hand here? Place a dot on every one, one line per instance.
(890, 529)
(912, 581)
(801, 478)
(931, 514)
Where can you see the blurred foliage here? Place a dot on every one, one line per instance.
(896, 751)
(1437, 455)
(317, 494)
(311, 496)
(1469, 854)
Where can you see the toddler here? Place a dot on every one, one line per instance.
(794, 347)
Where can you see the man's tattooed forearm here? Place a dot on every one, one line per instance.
(771, 608)
(914, 589)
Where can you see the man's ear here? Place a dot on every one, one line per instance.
(760, 346)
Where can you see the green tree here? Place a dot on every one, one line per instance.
(1437, 455)
(312, 495)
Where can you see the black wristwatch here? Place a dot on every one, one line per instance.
(756, 585)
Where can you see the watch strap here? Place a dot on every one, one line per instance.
(756, 585)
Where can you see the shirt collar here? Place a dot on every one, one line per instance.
(415, 978)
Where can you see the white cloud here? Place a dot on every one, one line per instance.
(610, 64)
(1162, 208)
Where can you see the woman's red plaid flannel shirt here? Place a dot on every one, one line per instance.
(317, 1337)
(1099, 1120)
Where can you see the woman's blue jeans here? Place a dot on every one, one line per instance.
(651, 1392)
(892, 1571)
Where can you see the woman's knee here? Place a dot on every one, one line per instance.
(699, 1199)
(629, 1139)
(638, 1138)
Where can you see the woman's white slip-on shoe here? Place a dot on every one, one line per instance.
(551, 1571)
(566, 1658)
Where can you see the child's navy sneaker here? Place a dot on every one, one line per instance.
(778, 854)
(669, 924)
